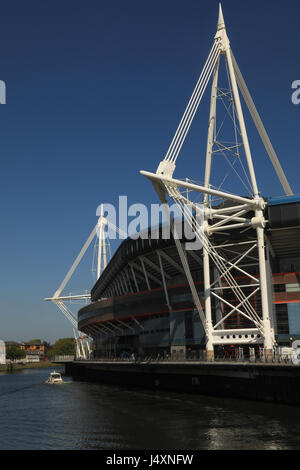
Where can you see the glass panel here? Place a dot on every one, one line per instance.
(282, 319)
(294, 318)
(279, 287)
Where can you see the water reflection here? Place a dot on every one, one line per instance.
(81, 415)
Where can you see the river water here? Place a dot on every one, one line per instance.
(79, 415)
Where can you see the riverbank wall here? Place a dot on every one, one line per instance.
(278, 383)
(12, 367)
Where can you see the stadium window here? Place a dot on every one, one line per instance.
(279, 287)
(282, 319)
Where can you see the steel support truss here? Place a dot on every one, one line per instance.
(82, 342)
(244, 313)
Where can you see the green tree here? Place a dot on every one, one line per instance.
(62, 347)
(14, 352)
(48, 349)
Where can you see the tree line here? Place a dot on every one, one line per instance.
(62, 347)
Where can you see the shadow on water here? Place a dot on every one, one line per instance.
(91, 416)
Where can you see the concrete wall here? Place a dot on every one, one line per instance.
(260, 382)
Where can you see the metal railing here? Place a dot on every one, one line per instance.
(152, 359)
(68, 358)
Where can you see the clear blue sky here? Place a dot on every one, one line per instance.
(95, 91)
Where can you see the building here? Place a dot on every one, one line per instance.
(2, 352)
(34, 351)
(142, 302)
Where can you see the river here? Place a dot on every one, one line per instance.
(79, 415)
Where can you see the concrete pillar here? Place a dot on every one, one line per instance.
(268, 355)
(210, 357)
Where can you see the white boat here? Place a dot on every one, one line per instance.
(54, 378)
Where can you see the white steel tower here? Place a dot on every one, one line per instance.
(102, 242)
(81, 340)
(230, 280)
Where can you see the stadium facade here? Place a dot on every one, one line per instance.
(142, 302)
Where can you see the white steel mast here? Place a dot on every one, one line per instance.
(228, 218)
(81, 340)
(102, 258)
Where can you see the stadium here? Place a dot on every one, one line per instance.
(237, 292)
(142, 303)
